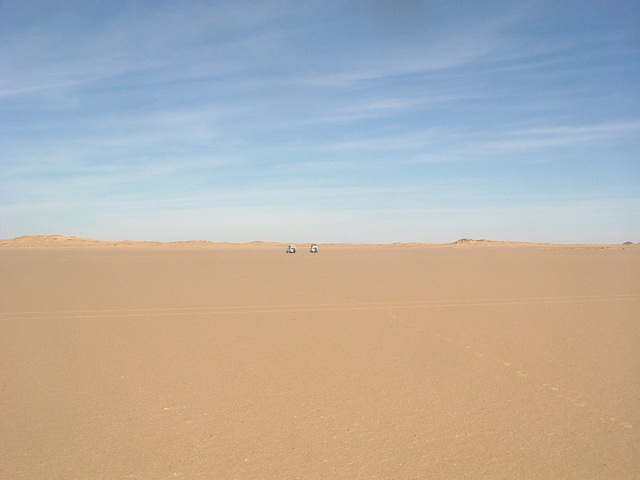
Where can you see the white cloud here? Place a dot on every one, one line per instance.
(62, 51)
(156, 110)
(560, 136)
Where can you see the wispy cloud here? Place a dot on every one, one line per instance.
(560, 136)
(137, 109)
(60, 53)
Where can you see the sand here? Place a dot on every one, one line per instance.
(479, 360)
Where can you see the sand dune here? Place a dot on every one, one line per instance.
(55, 241)
(50, 241)
(386, 362)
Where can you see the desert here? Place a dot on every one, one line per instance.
(471, 360)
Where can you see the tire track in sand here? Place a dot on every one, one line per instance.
(310, 307)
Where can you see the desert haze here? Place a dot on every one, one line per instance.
(474, 360)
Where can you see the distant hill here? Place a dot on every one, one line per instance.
(48, 241)
(64, 241)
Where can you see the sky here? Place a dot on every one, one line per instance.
(370, 121)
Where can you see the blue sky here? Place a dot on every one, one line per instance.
(372, 121)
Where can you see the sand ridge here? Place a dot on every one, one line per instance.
(52, 241)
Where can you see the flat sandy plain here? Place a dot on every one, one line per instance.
(471, 361)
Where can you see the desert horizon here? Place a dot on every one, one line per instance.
(333, 241)
(71, 241)
(198, 360)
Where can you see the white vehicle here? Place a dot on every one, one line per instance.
(291, 249)
(314, 248)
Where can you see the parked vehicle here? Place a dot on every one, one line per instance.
(291, 249)
(314, 248)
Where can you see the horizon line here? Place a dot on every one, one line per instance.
(48, 240)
